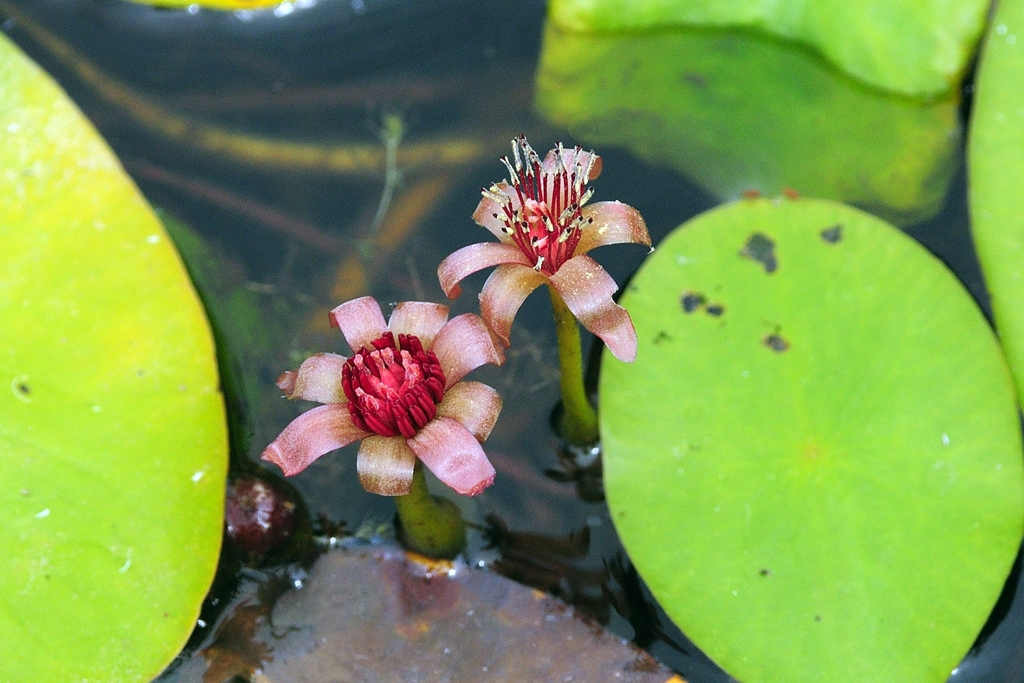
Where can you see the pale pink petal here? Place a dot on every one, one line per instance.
(503, 294)
(614, 223)
(419, 318)
(489, 212)
(472, 258)
(570, 156)
(310, 435)
(473, 404)
(463, 345)
(360, 320)
(587, 290)
(318, 379)
(385, 465)
(454, 455)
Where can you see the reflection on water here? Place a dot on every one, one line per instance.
(276, 140)
(396, 619)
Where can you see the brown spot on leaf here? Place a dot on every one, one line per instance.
(761, 248)
(834, 234)
(695, 79)
(775, 342)
(751, 194)
(715, 309)
(691, 301)
(765, 572)
(790, 193)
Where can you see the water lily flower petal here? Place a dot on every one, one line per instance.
(613, 223)
(310, 435)
(463, 345)
(472, 258)
(489, 211)
(360, 320)
(474, 404)
(454, 455)
(587, 290)
(385, 465)
(418, 318)
(503, 294)
(318, 379)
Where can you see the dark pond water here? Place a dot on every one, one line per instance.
(266, 133)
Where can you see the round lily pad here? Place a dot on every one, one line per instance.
(815, 461)
(113, 446)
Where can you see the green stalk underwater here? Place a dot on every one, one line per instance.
(579, 418)
(429, 525)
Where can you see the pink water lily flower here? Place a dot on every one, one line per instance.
(400, 393)
(545, 229)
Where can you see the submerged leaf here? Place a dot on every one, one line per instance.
(915, 47)
(738, 112)
(821, 479)
(113, 446)
(374, 614)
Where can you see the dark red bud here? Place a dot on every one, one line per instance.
(259, 517)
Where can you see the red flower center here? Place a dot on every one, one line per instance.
(546, 224)
(393, 389)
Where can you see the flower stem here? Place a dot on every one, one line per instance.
(429, 525)
(579, 418)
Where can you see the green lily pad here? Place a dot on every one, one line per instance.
(996, 163)
(815, 461)
(113, 447)
(736, 111)
(914, 47)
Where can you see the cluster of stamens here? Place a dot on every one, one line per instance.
(393, 389)
(545, 222)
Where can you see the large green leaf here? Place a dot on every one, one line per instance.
(736, 112)
(996, 177)
(815, 461)
(112, 433)
(915, 47)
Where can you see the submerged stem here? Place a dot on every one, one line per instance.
(391, 134)
(429, 525)
(579, 418)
